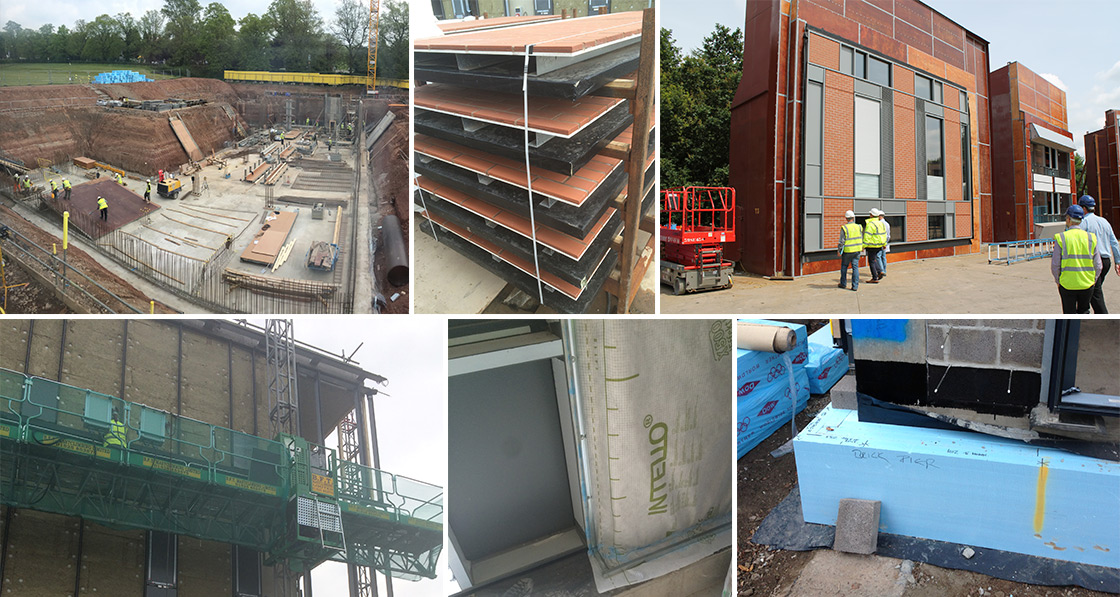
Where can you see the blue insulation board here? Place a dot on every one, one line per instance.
(763, 400)
(826, 364)
(962, 487)
(766, 408)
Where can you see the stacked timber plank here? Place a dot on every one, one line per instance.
(474, 188)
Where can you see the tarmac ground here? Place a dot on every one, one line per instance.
(963, 284)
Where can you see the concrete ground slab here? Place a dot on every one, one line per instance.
(964, 284)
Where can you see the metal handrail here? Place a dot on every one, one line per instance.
(1020, 250)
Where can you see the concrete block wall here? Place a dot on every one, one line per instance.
(1007, 344)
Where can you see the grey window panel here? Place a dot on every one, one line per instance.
(886, 141)
(814, 205)
(935, 110)
(813, 232)
(862, 206)
(814, 106)
(935, 188)
(815, 73)
(950, 226)
(894, 207)
(920, 148)
(845, 60)
(964, 101)
(812, 180)
(506, 460)
(868, 89)
(867, 185)
(938, 92)
(868, 141)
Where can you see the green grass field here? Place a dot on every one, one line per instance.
(46, 73)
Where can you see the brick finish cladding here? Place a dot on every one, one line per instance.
(911, 36)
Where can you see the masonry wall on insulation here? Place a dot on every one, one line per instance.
(43, 547)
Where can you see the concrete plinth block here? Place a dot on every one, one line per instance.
(857, 526)
(843, 394)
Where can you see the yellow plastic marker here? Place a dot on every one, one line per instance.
(65, 230)
(153, 311)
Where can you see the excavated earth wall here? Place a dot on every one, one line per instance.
(60, 122)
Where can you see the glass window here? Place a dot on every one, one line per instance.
(966, 164)
(868, 147)
(878, 71)
(936, 227)
(935, 163)
(162, 560)
(964, 101)
(898, 228)
(922, 87)
(247, 572)
(813, 138)
(937, 91)
(859, 64)
(1063, 164)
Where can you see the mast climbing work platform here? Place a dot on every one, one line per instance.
(77, 452)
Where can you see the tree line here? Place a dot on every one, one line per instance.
(289, 36)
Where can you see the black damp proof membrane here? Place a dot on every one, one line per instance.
(565, 156)
(571, 82)
(872, 410)
(567, 269)
(785, 528)
(554, 299)
(988, 391)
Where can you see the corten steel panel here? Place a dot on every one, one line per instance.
(948, 31)
(823, 14)
(1004, 172)
(506, 467)
(882, 42)
(913, 36)
(869, 16)
(914, 13)
(752, 167)
(886, 5)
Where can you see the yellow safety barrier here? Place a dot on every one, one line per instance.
(310, 78)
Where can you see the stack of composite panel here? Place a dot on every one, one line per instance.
(470, 149)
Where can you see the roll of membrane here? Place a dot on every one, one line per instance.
(765, 338)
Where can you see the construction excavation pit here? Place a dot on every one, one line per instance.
(198, 195)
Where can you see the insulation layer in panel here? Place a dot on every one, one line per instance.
(571, 189)
(571, 82)
(565, 37)
(553, 298)
(550, 116)
(558, 154)
(962, 487)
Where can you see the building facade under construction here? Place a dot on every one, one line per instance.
(162, 458)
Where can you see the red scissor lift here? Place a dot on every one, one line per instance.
(695, 222)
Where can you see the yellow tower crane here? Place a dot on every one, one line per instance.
(371, 50)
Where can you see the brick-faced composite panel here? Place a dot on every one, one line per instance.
(790, 45)
(494, 23)
(479, 211)
(568, 36)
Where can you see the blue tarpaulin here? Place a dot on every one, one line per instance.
(121, 76)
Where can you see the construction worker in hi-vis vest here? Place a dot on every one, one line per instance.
(1075, 263)
(66, 187)
(103, 205)
(874, 239)
(116, 436)
(849, 248)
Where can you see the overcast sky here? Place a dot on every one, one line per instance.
(411, 412)
(1073, 43)
(64, 12)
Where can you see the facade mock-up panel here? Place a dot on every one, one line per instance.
(1032, 153)
(858, 105)
(1102, 166)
